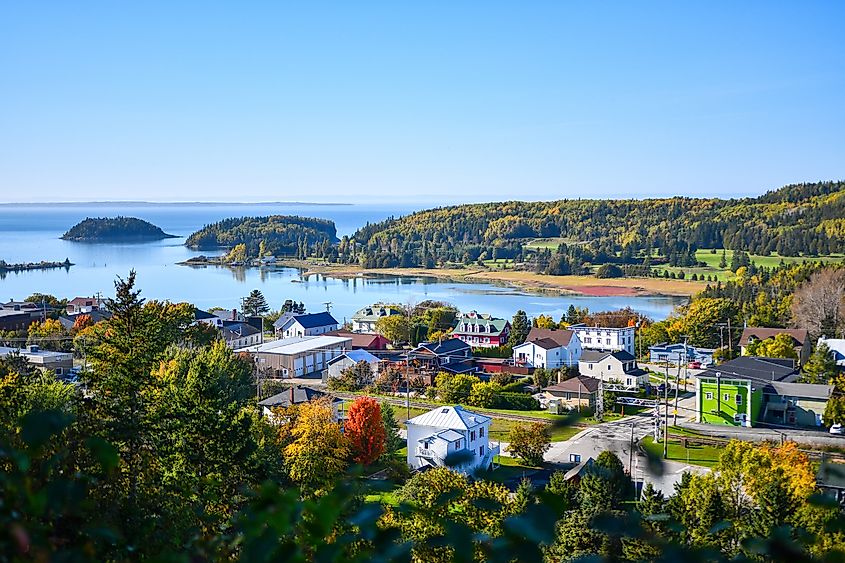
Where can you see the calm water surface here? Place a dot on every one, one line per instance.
(31, 233)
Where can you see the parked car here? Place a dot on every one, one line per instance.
(837, 429)
(694, 365)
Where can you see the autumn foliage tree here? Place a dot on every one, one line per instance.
(365, 430)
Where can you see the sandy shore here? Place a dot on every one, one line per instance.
(571, 285)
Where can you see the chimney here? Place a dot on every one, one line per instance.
(234, 314)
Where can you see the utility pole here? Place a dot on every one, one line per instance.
(408, 366)
(730, 339)
(328, 305)
(631, 454)
(666, 416)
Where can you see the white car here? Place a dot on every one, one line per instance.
(837, 429)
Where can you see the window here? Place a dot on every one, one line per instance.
(590, 366)
(458, 445)
(608, 367)
(739, 399)
(726, 397)
(481, 432)
(481, 451)
(472, 436)
(709, 396)
(607, 341)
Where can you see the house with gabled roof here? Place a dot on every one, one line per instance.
(800, 339)
(308, 324)
(450, 437)
(364, 320)
(452, 355)
(617, 366)
(481, 330)
(296, 395)
(548, 348)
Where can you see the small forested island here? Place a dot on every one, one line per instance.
(42, 265)
(263, 236)
(115, 229)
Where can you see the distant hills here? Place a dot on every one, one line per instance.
(115, 229)
(796, 220)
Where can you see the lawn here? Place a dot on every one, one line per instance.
(551, 243)
(705, 456)
(509, 468)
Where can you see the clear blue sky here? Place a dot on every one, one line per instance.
(423, 102)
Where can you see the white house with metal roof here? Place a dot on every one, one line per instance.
(450, 436)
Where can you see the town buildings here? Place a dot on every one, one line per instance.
(679, 354)
(752, 391)
(297, 357)
(364, 320)
(800, 340)
(577, 392)
(619, 366)
(481, 330)
(605, 339)
(297, 395)
(307, 324)
(548, 348)
(349, 359)
(59, 363)
(450, 432)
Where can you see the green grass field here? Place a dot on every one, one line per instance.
(712, 260)
(500, 264)
(705, 456)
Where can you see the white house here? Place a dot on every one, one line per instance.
(349, 359)
(605, 339)
(364, 320)
(309, 324)
(450, 436)
(548, 348)
(612, 366)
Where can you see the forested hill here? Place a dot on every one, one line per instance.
(114, 229)
(800, 219)
(281, 234)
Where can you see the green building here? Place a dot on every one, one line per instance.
(751, 391)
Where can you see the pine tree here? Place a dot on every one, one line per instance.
(393, 441)
(519, 328)
(255, 304)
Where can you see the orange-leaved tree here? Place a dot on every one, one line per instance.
(365, 430)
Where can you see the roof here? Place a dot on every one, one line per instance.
(200, 315)
(5, 351)
(579, 470)
(238, 329)
(597, 356)
(459, 367)
(561, 336)
(492, 325)
(356, 356)
(375, 312)
(12, 313)
(95, 315)
(447, 435)
(86, 301)
(444, 348)
(579, 383)
(289, 346)
(450, 417)
(283, 318)
(806, 390)
(313, 320)
(755, 368)
(544, 343)
(667, 346)
(300, 395)
(799, 335)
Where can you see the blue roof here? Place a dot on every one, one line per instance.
(312, 320)
(356, 356)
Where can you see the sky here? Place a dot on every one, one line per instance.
(417, 102)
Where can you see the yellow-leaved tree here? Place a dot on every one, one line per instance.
(319, 452)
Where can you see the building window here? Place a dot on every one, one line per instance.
(481, 451)
(726, 397)
(709, 396)
(472, 436)
(458, 445)
(590, 366)
(607, 341)
(739, 399)
(481, 432)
